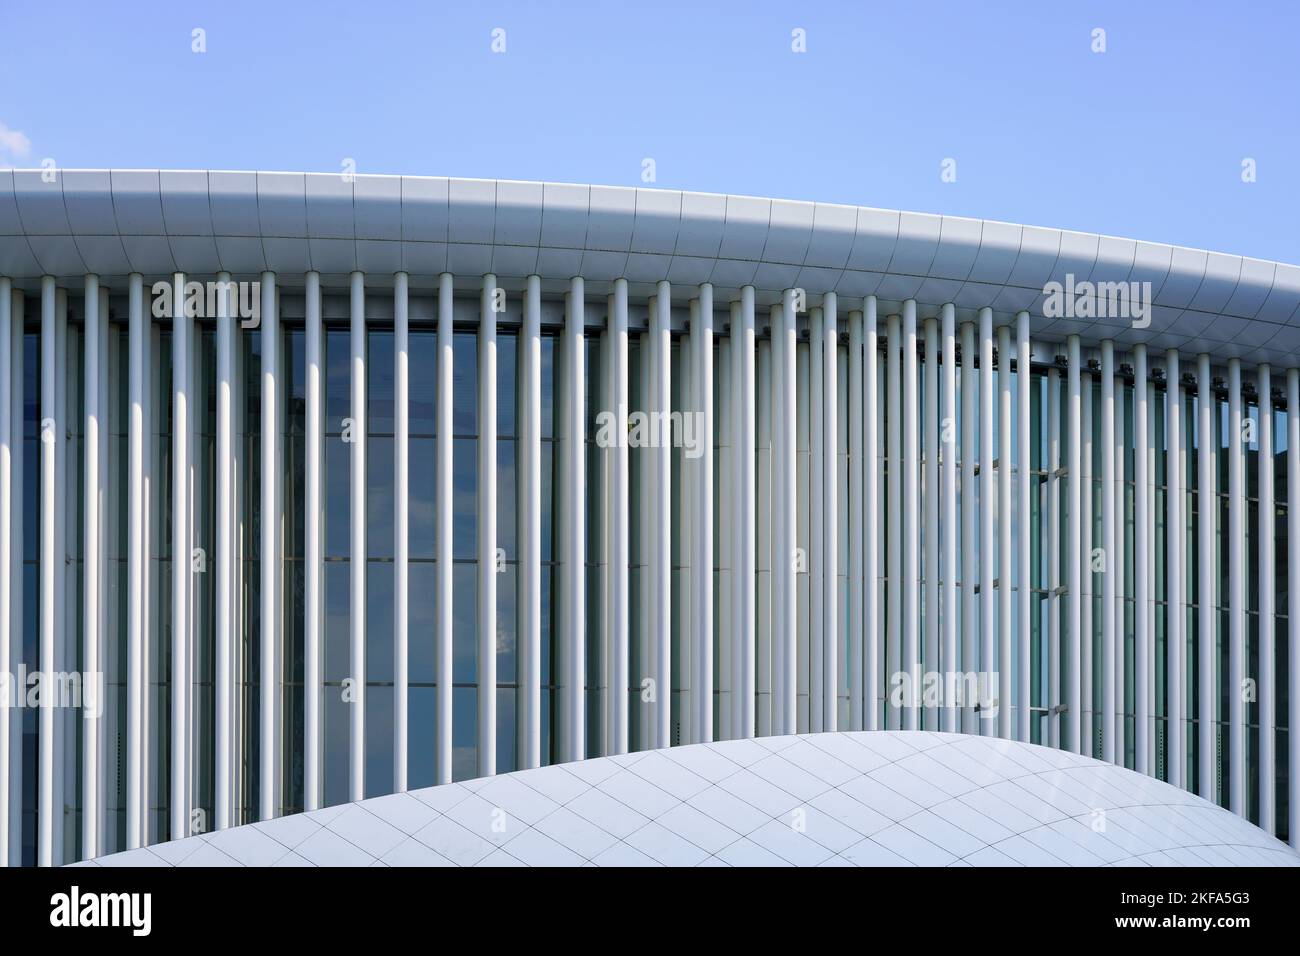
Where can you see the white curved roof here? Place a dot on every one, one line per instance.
(880, 798)
(156, 222)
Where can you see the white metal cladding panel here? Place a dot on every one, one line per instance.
(881, 798)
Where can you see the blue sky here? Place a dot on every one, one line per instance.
(1145, 140)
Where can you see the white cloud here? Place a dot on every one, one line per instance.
(14, 145)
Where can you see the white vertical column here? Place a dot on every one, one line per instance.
(930, 572)
(1111, 566)
(948, 660)
(63, 742)
(744, 622)
(1236, 743)
(181, 336)
(574, 568)
(48, 429)
(702, 533)
(1175, 740)
(1267, 623)
(1293, 618)
(732, 652)
(1004, 532)
(1024, 382)
(830, 518)
(487, 532)
(988, 491)
(816, 524)
(894, 516)
(313, 573)
(1141, 561)
(969, 514)
(911, 523)
(90, 635)
(857, 523)
(401, 524)
(1054, 587)
(661, 490)
(1111, 553)
(1074, 557)
(1087, 642)
(529, 479)
(1207, 645)
(357, 539)
(6, 543)
(15, 538)
(784, 621)
(1118, 611)
(443, 530)
(270, 523)
(224, 469)
(871, 531)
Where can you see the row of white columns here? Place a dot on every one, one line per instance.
(981, 638)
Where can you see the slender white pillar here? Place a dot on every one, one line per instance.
(487, 535)
(1118, 612)
(1054, 587)
(6, 549)
(357, 540)
(90, 634)
(16, 585)
(1267, 623)
(1206, 598)
(661, 532)
(1087, 640)
(911, 520)
(181, 337)
(574, 525)
(948, 661)
(830, 505)
(529, 490)
(816, 523)
(745, 620)
(857, 523)
(1236, 743)
(784, 620)
(401, 524)
(702, 520)
(270, 623)
(988, 493)
(1074, 555)
(930, 530)
(313, 573)
(64, 745)
(969, 515)
(15, 537)
(1004, 533)
(1111, 554)
(1175, 741)
(444, 491)
(872, 528)
(894, 428)
(775, 546)
(1024, 382)
(1293, 619)
(223, 467)
(732, 652)
(49, 427)
(1141, 561)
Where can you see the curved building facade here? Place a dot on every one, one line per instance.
(320, 488)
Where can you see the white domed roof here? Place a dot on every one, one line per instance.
(875, 798)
